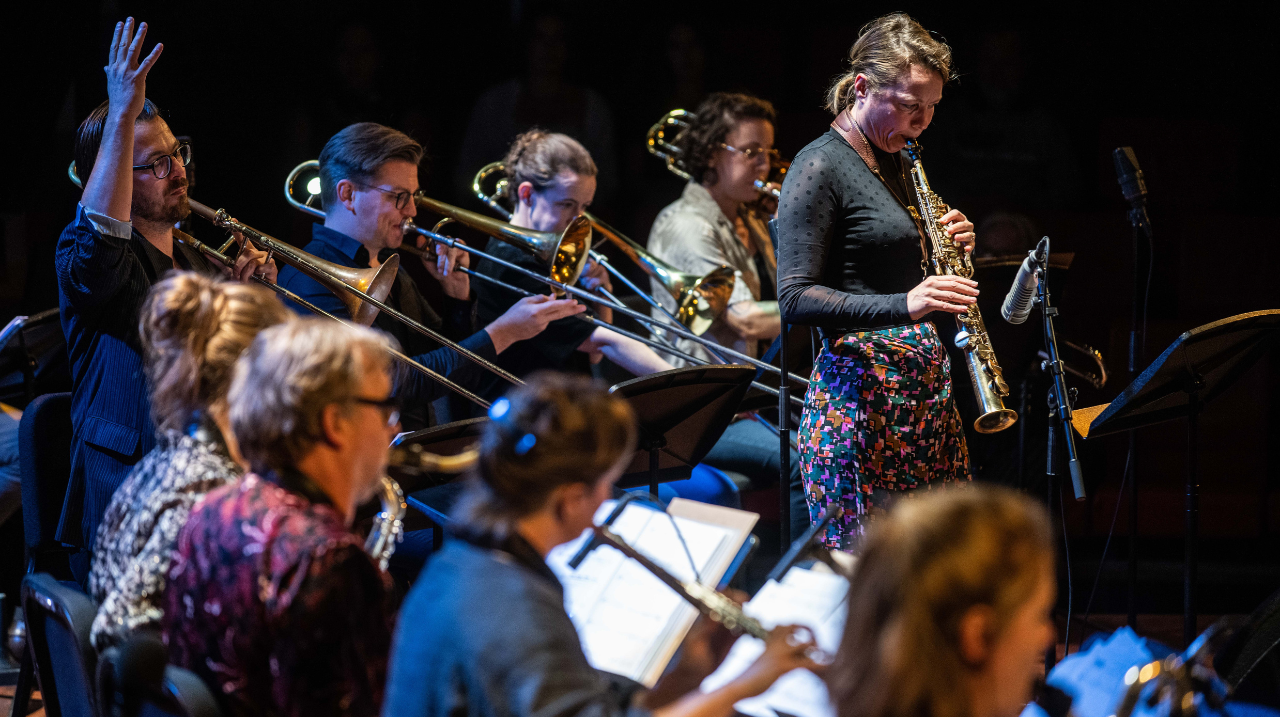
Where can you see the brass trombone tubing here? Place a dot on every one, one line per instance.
(619, 239)
(650, 264)
(658, 345)
(648, 298)
(299, 259)
(595, 299)
(659, 147)
(222, 259)
(219, 256)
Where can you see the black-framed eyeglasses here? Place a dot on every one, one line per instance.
(401, 198)
(389, 406)
(164, 165)
(753, 152)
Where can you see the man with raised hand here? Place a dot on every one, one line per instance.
(121, 241)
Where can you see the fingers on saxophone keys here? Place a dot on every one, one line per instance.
(957, 297)
(959, 284)
(940, 305)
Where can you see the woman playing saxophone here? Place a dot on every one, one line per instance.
(852, 260)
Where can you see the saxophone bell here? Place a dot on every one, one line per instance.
(984, 371)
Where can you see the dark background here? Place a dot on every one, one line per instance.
(1022, 142)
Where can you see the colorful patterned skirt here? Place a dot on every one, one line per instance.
(878, 420)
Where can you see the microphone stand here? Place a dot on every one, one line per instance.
(1133, 186)
(1060, 397)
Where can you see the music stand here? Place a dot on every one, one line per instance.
(809, 547)
(434, 494)
(1196, 368)
(681, 414)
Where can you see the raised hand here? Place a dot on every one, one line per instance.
(109, 189)
(126, 76)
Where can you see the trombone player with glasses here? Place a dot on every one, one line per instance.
(368, 179)
(725, 149)
(120, 243)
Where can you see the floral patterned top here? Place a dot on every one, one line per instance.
(274, 603)
(140, 528)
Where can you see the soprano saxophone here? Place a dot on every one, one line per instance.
(948, 260)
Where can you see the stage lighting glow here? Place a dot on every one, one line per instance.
(313, 187)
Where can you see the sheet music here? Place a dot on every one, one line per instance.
(629, 622)
(804, 597)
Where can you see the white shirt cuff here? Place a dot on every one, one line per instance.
(107, 225)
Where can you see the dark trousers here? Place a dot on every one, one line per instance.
(750, 448)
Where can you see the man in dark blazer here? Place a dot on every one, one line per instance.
(119, 244)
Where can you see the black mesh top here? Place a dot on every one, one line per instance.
(848, 251)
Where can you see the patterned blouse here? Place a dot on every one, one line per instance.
(140, 528)
(274, 603)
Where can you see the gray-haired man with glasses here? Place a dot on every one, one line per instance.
(121, 241)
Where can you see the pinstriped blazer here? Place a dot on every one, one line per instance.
(103, 281)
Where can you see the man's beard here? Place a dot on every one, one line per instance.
(169, 210)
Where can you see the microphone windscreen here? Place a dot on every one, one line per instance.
(1132, 184)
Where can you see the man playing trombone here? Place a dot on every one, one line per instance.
(368, 179)
(121, 242)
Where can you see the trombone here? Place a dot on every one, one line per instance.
(348, 284)
(486, 224)
(699, 299)
(675, 122)
(565, 253)
(409, 227)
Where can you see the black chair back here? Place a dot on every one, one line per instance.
(175, 693)
(58, 620)
(44, 447)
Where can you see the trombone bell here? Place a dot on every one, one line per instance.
(566, 252)
(374, 282)
(701, 302)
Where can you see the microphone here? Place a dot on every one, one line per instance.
(1133, 185)
(1017, 304)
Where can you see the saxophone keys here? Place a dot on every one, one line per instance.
(962, 339)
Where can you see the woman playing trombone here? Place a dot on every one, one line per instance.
(551, 180)
(725, 150)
